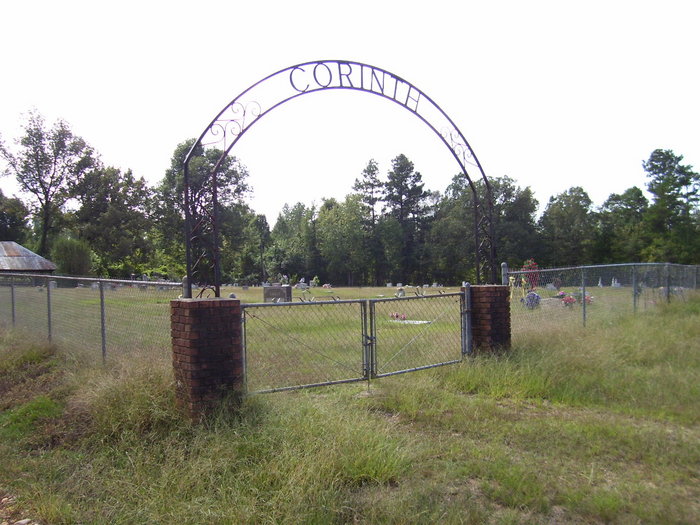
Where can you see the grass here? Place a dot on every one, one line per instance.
(572, 426)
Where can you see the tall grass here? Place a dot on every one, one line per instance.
(576, 426)
(648, 364)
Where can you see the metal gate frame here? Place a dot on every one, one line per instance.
(369, 340)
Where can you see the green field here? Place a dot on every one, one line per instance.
(595, 425)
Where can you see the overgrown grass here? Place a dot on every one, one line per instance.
(646, 364)
(590, 426)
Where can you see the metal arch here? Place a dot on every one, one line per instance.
(241, 113)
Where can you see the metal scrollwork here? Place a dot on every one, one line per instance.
(239, 115)
(236, 118)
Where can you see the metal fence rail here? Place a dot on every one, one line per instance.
(103, 317)
(546, 298)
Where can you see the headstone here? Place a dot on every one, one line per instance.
(600, 282)
(400, 292)
(550, 287)
(277, 294)
(389, 285)
(53, 284)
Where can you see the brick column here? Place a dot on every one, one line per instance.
(490, 317)
(207, 353)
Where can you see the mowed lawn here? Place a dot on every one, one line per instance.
(573, 425)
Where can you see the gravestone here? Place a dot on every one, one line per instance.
(277, 293)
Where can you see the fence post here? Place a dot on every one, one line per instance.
(504, 273)
(667, 270)
(12, 294)
(366, 339)
(48, 307)
(103, 327)
(467, 343)
(583, 295)
(372, 357)
(634, 288)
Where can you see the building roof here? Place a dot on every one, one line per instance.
(16, 258)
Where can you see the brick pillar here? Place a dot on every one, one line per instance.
(207, 353)
(490, 317)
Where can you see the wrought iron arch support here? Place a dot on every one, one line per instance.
(241, 113)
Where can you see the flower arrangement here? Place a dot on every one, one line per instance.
(533, 275)
(397, 316)
(568, 300)
(531, 300)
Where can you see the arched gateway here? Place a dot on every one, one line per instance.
(239, 115)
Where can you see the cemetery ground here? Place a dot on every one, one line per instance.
(574, 425)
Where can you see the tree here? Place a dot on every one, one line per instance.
(670, 221)
(403, 191)
(451, 242)
(567, 228)
(113, 218)
(370, 189)
(48, 164)
(514, 213)
(13, 219)
(256, 239)
(405, 202)
(341, 240)
(71, 256)
(620, 227)
(294, 245)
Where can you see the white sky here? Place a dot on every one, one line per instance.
(551, 93)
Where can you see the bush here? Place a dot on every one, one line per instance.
(71, 256)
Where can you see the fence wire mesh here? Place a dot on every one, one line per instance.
(293, 345)
(301, 344)
(98, 317)
(417, 332)
(546, 299)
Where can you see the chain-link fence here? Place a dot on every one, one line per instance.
(543, 299)
(102, 317)
(294, 345)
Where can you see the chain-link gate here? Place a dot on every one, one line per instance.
(298, 345)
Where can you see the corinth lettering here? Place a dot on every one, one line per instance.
(351, 75)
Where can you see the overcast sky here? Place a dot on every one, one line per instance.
(553, 94)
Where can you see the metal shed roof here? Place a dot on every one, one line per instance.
(16, 258)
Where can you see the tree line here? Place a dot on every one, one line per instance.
(93, 219)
